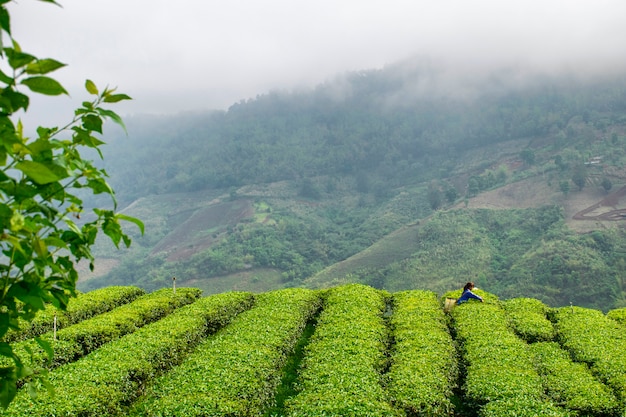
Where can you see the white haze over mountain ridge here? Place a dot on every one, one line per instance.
(193, 55)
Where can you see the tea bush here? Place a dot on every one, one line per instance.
(103, 382)
(236, 372)
(341, 369)
(498, 365)
(619, 315)
(591, 337)
(528, 319)
(82, 307)
(423, 369)
(571, 384)
(86, 336)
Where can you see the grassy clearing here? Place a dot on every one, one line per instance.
(394, 247)
(256, 280)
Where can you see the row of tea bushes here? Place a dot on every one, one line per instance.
(235, 372)
(571, 384)
(86, 336)
(619, 315)
(424, 369)
(341, 369)
(593, 338)
(522, 407)
(82, 307)
(501, 379)
(103, 382)
(528, 319)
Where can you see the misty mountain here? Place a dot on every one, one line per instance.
(395, 123)
(312, 187)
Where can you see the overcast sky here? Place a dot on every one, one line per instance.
(193, 55)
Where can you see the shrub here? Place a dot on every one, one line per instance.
(84, 306)
(528, 319)
(521, 407)
(102, 382)
(341, 369)
(423, 368)
(84, 337)
(498, 364)
(236, 372)
(619, 315)
(571, 384)
(590, 336)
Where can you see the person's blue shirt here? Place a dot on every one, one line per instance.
(467, 294)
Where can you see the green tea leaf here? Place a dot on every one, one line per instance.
(93, 123)
(8, 389)
(11, 101)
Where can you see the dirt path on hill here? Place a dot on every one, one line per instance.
(596, 211)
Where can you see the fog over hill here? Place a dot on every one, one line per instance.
(195, 56)
(379, 172)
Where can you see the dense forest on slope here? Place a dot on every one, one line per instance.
(340, 183)
(364, 124)
(511, 252)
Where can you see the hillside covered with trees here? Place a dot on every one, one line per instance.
(375, 177)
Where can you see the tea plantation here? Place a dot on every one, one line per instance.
(345, 351)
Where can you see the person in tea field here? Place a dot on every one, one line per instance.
(468, 294)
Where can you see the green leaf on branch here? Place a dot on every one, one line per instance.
(11, 101)
(55, 242)
(16, 58)
(114, 98)
(92, 142)
(8, 386)
(5, 20)
(112, 229)
(40, 247)
(99, 186)
(41, 148)
(93, 123)
(43, 66)
(46, 347)
(6, 79)
(113, 116)
(91, 87)
(39, 173)
(134, 220)
(82, 137)
(44, 85)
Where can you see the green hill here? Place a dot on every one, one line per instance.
(517, 188)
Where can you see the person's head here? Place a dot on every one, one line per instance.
(468, 286)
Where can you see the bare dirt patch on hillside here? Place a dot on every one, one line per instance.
(610, 208)
(586, 210)
(201, 228)
(528, 193)
(102, 266)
